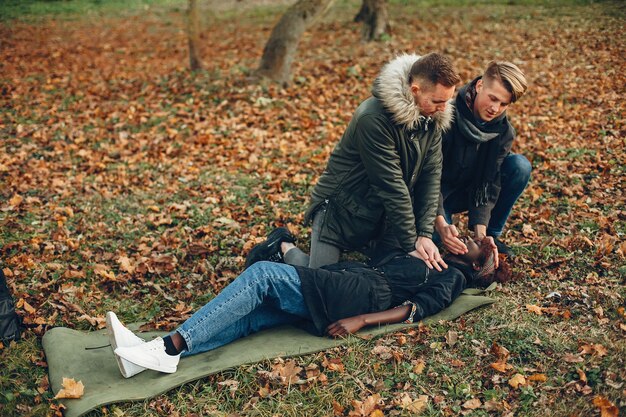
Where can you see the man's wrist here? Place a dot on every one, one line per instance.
(440, 222)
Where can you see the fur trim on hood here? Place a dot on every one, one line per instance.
(392, 88)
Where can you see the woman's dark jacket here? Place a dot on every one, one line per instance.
(472, 167)
(386, 169)
(348, 289)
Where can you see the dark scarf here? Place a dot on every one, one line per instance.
(475, 131)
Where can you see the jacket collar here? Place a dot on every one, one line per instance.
(392, 88)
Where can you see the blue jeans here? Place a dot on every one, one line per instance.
(515, 173)
(265, 295)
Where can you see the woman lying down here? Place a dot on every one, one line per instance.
(335, 300)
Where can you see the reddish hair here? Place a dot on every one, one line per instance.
(488, 274)
(435, 69)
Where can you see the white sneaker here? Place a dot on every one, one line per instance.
(120, 336)
(150, 355)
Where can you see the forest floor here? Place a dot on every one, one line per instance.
(124, 177)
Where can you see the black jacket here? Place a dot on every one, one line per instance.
(348, 289)
(463, 159)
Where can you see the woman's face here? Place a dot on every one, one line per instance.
(473, 249)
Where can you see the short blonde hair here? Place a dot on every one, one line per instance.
(509, 75)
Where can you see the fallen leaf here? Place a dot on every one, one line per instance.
(365, 408)
(21, 303)
(538, 378)
(71, 389)
(338, 408)
(517, 380)
(419, 366)
(383, 351)
(527, 230)
(103, 271)
(413, 406)
(492, 405)
(334, 364)
(593, 349)
(451, 338)
(499, 351)
(198, 249)
(607, 408)
(125, 264)
(264, 391)
(500, 366)
(534, 309)
(472, 404)
(16, 200)
(573, 358)
(457, 363)
(289, 371)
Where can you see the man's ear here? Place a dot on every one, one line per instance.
(415, 89)
(479, 85)
(475, 266)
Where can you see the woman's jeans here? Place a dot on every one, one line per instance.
(265, 295)
(515, 173)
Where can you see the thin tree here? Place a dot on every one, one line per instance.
(193, 34)
(373, 14)
(280, 49)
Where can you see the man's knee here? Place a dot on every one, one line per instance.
(517, 169)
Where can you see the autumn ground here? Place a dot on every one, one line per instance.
(124, 178)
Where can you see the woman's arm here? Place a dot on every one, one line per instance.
(349, 325)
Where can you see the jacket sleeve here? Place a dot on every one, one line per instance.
(381, 161)
(438, 293)
(482, 214)
(426, 190)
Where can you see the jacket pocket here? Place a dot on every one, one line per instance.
(349, 226)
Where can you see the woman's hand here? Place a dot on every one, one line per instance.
(346, 326)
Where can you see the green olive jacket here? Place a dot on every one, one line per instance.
(384, 174)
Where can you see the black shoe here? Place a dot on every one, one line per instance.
(270, 249)
(503, 248)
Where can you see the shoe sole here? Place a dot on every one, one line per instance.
(145, 364)
(120, 362)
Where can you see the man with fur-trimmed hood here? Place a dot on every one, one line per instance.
(382, 180)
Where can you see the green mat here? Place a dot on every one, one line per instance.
(87, 357)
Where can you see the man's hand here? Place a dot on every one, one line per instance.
(427, 251)
(450, 236)
(346, 326)
(488, 240)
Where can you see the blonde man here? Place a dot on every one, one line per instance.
(480, 174)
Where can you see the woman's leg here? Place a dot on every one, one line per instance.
(273, 286)
(515, 173)
(264, 317)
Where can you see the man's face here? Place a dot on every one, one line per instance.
(492, 99)
(431, 98)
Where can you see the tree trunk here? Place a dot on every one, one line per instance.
(373, 14)
(280, 49)
(193, 34)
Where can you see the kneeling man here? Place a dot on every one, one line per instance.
(480, 174)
